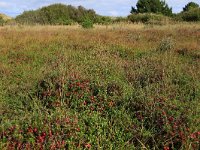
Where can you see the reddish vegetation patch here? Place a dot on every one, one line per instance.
(52, 135)
(170, 128)
(75, 93)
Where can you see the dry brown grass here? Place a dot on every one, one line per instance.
(136, 36)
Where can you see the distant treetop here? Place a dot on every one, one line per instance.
(190, 5)
(152, 6)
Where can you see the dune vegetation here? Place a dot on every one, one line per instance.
(120, 86)
(5, 17)
(73, 79)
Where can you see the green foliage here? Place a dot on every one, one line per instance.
(31, 17)
(56, 14)
(190, 5)
(120, 19)
(139, 18)
(104, 20)
(1, 21)
(152, 6)
(87, 23)
(5, 17)
(191, 15)
(191, 12)
(149, 18)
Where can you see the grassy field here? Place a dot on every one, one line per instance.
(111, 87)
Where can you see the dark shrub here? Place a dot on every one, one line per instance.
(191, 15)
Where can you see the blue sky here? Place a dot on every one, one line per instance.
(102, 7)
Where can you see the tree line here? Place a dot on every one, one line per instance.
(191, 11)
(60, 14)
(145, 11)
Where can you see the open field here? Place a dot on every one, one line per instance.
(111, 87)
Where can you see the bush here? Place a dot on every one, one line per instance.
(190, 5)
(192, 15)
(135, 18)
(56, 14)
(87, 23)
(120, 19)
(1, 21)
(177, 18)
(149, 18)
(103, 20)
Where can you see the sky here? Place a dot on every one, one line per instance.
(102, 7)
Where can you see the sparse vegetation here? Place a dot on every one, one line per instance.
(167, 44)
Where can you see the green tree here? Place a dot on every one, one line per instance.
(152, 6)
(190, 5)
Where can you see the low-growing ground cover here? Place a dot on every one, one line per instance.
(110, 87)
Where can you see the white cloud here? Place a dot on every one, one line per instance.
(3, 4)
